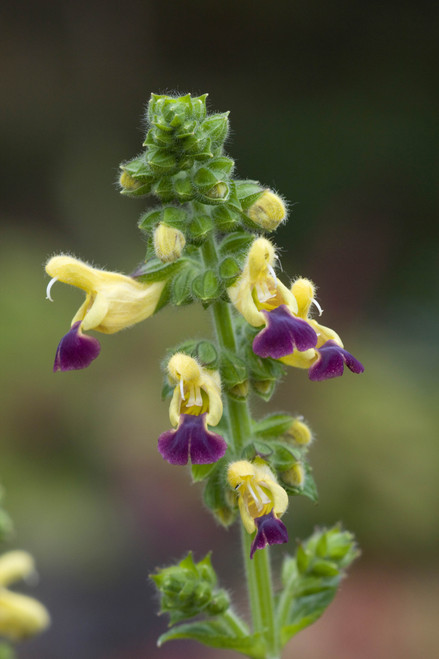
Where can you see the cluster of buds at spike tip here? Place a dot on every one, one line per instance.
(180, 136)
(189, 589)
(20, 616)
(289, 335)
(196, 403)
(261, 500)
(113, 302)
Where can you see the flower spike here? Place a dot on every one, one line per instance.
(195, 403)
(113, 302)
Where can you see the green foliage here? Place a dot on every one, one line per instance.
(310, 579)
(219, 633)
(6, 651)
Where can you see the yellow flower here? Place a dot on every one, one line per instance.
(261, 501)
(20, 616)
(328, 358)
(196, 402)
(258, 288)
(113, 302)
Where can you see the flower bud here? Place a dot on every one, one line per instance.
(268, 211)
(300, 432)
(15, 565)
(129, 183)
(295, 475)
(168, 243)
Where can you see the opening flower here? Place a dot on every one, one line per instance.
(328, 358)
(113, 302)
(261, 502)
(20, 616)
(264, 300)
(196, 403)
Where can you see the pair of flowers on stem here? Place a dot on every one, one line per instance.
(288, 334)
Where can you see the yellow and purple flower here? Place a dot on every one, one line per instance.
(261, 502)
(113, 302)
(263, 300)
(196, 403)
(328, 358)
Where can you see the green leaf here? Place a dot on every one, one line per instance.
(156, 270)
(273, 425)
(248, 192)
(214, 495)
(311, 579)
(201, 472)
(235, 243)
(305, 611)
(217, 633)
(182, 285)
(207, 286)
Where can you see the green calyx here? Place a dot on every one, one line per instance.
(189, 589)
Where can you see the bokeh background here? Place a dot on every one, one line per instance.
(332, 104)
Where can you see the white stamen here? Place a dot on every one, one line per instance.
(255, 497)
(49, 286)
(319, 308)
(182, 389)
(272, 272)
(198, 398)
(263, 292)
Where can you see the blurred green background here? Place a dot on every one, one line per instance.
(335, 105)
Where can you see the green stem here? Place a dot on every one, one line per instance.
(235, 623)
(258, 571)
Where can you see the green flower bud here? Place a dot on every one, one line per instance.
(217, 127)
(164, 189)
(234, 375)
(217, 193)
(302, 559)
(219, 603)
(181, 290)
(183, 187)
(206, 354)
(207, 286)
(188, 589)
(325, 569)
(264, 388)
(168, 243)
(160, 160)
(229, 270)
(199, 229)
(226, 218)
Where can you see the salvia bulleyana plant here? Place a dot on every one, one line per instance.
(209, 241)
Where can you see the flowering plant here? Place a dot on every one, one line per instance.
(207, 242)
